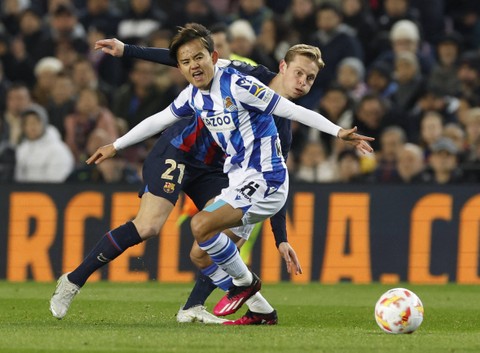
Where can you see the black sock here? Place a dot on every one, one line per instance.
(200, 292)
(108, 248)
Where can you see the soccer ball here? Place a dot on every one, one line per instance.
(399, 310)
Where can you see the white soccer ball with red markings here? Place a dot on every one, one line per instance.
(399, 310)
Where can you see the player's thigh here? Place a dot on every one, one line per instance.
(164, 172)
(153, 213)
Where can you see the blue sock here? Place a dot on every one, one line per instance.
(108, 248)
(200, 292)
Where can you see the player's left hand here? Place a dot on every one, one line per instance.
(360, 142)
(290, 257)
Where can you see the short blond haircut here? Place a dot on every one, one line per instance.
(308, 51)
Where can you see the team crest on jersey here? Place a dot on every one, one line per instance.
(229, 105)
(256, 89)
(169, 187)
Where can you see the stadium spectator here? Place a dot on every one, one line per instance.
(61, 102)
(314, 165)
(456, 133)
(117, 170)
(139, 97)
(31, 31)
(274, 39)
(348, 167)
(88, 116)
(100, 14)
(85, 76)
(141, 19)
(472, 127)
(442, 164)
(431, 130)
(243, 43)
(253, 11)
(410, 82)
(410, 164)
(469, 75)
(350, 76)
(199, 11)
(392, 139)
(371, 115)
(380, 81)
(337, 105)
(444, 72)
(18, 100)
(301, 19)
(46, 72)
(41, 156)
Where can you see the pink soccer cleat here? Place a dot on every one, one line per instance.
(236, 296)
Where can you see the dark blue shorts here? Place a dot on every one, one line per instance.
(167, 171)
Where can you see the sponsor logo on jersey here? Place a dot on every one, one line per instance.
(229, 105)
(219, 123)
(169, 187)
(256, 89)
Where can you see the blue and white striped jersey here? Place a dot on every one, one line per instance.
(237, 110)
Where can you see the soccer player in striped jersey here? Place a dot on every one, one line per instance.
(237, 110)
(297, 73)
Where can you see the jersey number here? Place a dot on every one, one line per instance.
(173, 165)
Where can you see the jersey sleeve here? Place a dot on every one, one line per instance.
(157, 55)
(289, 110)
(253, 94)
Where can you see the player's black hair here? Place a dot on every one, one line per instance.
(191, 31)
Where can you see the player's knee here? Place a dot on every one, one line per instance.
(147, 230)
(198, 225)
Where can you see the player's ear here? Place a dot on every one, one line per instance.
(282, 66)
(215, 56)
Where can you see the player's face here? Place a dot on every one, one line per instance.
(298, 76)
(196, 64)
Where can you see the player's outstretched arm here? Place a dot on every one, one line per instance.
(117, 48)
(289, 110)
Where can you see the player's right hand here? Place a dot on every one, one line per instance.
(112, 46)
(102, 153)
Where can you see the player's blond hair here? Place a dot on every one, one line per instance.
(308, 51)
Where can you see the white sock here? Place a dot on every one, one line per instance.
(258, 304)
(225, 254)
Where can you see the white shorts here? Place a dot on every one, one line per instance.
(249, 191)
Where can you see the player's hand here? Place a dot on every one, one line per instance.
(360, 142)
(290, 257)
(113, 46)
(102, 153)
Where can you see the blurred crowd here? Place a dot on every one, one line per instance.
(406, 72)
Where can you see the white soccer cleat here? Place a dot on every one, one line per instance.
(198, 313)
(63, 296)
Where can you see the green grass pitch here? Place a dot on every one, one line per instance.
(113, 317)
